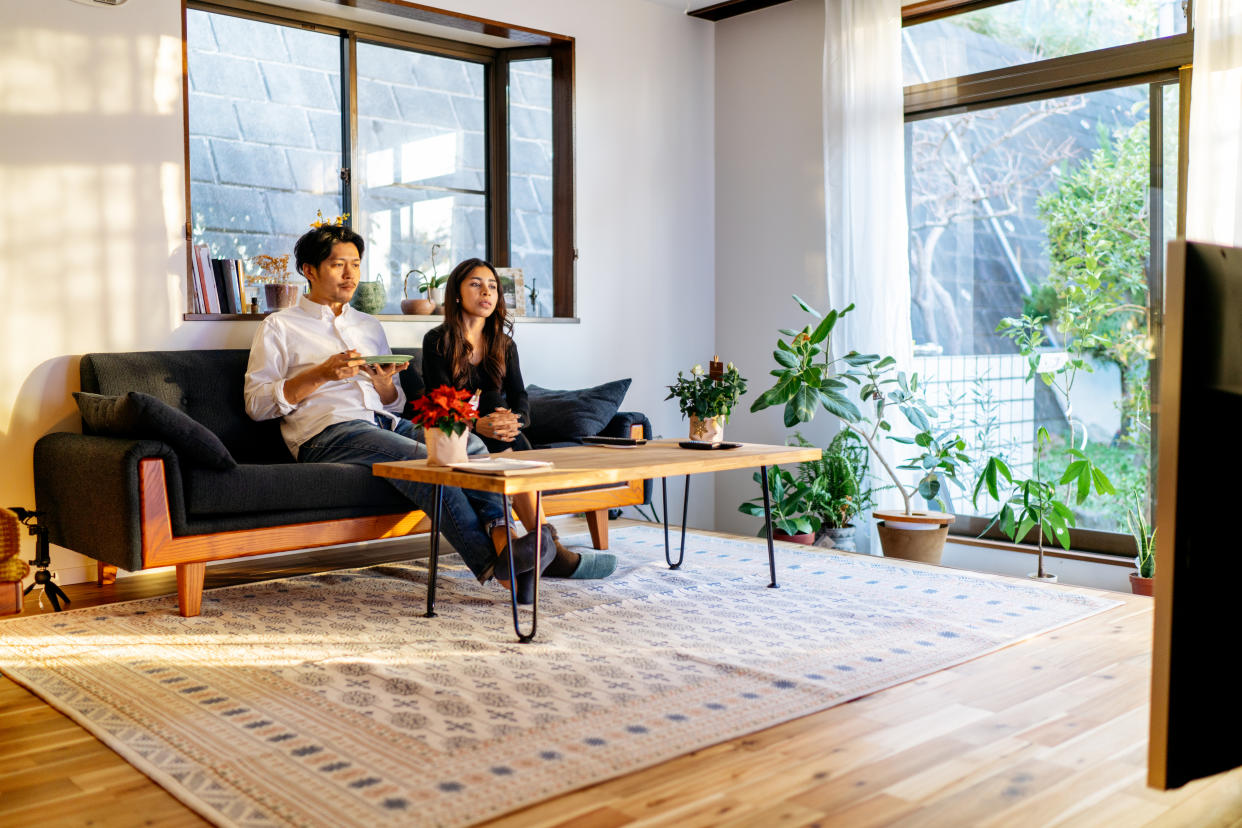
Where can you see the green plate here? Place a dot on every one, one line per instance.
(386, 359)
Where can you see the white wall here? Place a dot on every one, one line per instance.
(769, 211)
(92, 207)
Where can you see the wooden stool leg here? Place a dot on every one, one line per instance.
(597, 523)
(190, 588)
(104, 573)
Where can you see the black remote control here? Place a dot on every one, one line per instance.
(615, 441)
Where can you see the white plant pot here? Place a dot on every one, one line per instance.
(444, 448)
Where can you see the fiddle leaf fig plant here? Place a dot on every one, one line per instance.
(808, 378)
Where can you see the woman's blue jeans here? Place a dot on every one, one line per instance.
(463, 516)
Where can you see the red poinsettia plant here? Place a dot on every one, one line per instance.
(446, 408)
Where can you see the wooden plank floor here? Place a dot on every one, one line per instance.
(1048, 732)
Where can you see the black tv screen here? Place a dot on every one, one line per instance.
(1196, 721)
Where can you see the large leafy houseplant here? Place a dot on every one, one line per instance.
(838, 489)
(809, 378)
(791, 504)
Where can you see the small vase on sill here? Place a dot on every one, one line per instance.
(280, 295)
(710, 430)
(444, 448)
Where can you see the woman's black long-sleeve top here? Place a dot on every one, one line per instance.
(510, 393)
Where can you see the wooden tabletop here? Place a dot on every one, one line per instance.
(598, 465)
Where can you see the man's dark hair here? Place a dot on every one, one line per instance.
(316, 244)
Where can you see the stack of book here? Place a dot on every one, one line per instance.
(219, 285)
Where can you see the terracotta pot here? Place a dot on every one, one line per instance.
(417, 307)
(919, 536)
(281, 295)
(710, 430)
(444, 448)
(807, 538)
(1140, 585)
(922, 545)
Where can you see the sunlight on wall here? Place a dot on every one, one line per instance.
(91, 208)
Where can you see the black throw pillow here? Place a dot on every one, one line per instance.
(560, 416)
(142, 416)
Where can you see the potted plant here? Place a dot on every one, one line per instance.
(1031, 504)
(708, 398)
(808, 379)
(791, 507)
(279, 289)
(1143, 579)
(839, 491)
(419, 307)
(433, 285)
(446, 415)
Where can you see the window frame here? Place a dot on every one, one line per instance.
(527, 44)
(1158, 62)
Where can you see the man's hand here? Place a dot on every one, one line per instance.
(340, 366)
(382, 377)
(336, 367)
(502, 424)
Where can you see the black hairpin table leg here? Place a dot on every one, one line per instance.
(523, 638)
(767, 523)
(433, 562)
(668, 557)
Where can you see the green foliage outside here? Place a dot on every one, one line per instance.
(1040, 26)
(1096, 296)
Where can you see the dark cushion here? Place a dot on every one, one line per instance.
(140, 415)
(558, 416)
(206, 384)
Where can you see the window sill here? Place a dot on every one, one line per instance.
(1050, 552)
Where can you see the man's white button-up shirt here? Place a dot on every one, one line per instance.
(292, 340)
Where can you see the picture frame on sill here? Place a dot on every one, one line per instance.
(513, 289)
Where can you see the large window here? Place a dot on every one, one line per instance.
(1042, 179)
(438, 150)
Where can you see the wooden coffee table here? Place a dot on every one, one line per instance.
(579, 466)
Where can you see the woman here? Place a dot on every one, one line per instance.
(474, 350)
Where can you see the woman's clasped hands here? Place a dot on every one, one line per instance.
(501, 424)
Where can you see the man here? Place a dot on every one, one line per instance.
(306, 366)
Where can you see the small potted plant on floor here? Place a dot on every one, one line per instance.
(708, 397)
(446, 415)
(839, 489)
(809, 379)
(1143, 579)
(791, 507)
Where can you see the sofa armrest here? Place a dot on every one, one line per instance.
(623, 421)
(89, 489)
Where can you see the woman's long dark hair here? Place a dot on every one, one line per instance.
(497, 330)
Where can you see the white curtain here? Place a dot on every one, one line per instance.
(1214, 180)
(864, 176)
(865, 193)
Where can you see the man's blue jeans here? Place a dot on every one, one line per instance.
(463, 516)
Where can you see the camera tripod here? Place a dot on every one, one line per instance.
(42, 559)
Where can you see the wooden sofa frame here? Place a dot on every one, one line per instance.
(191, 553)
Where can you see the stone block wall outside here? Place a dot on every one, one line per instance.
(265, 151)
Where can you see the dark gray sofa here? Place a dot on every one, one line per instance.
(133, 502)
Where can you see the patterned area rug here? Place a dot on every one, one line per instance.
(330, 700)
